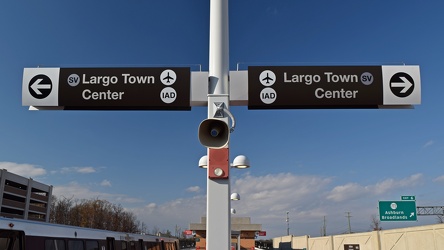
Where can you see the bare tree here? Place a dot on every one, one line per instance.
(156, 230)
(143, 228)
(60, 210)
(375, 223)
(177, 231)
(94, 213)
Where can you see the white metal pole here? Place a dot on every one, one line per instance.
(219, 57)
(218, 236)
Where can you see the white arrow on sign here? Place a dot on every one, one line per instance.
(406, 84)
(36, 86)
(412, 214)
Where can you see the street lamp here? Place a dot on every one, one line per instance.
(203, 162)
(240, 161)
(235, 197)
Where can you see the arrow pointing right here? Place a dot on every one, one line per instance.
(405, 84)
(36, 86)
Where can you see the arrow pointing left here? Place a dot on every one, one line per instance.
(37, 86)
(40, 86)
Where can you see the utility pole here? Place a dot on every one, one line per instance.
(349, 226)
(324, 228)
(288, 224)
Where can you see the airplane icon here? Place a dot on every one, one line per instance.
(168, 77)
(267, 79)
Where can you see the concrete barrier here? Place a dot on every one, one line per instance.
(429, 237)
(321, 243)
(424, 237)
(366, 241)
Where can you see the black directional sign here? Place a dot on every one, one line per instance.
(108, 88)
(402, 84)
(351, 247)
(40, 86)
(283, 87)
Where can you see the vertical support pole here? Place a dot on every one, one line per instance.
(3, 173)
(218, 190)
(48, 204)
(288, 223)
(28, 198)
(349, 225)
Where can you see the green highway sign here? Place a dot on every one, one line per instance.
(408, 198)
(397, 210)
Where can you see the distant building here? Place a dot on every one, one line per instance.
(24, 198)
(241, 228)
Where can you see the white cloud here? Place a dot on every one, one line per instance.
(85, 170)
(194, 189)
(80, 170)
(276, 192)
(349, 191)
(439, 179)
(180, 212)
(81, 191)
(151, 206)
(391, 184)
(428, 144)
(25, 170)
(105, 183)
(352, 191)
(75, 190)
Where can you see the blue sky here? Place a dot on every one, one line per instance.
(312, 163)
